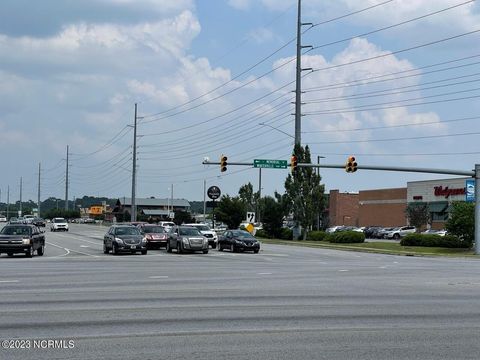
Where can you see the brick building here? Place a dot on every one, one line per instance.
(382, 207)
(343, 208)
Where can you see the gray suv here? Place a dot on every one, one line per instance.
(186, 238)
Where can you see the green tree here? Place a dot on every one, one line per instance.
(231, 211)
(248, 196)
(273, 213)
(418, 214)
(462, 221)
(183, 217)
(303, 192)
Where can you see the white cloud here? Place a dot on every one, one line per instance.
(240, 4)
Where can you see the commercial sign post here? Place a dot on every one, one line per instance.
(213, 193)
(470, 190)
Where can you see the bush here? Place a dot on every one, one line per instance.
(346, 237)
(286, 234)
(432, 240)
(261, 233)
(316, 235)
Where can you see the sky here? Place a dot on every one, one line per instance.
(391, 82)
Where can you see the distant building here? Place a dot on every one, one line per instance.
(155, 209)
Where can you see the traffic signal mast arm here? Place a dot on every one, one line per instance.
(365, 167)
(394, 168)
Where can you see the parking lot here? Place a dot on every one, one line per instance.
(284, 303)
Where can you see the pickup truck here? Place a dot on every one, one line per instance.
(24, 239)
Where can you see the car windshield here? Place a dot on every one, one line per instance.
(59, 220)
(168, 224)
(127, 231)
(202, 227)
(16, 230)
(189, 231)
(243, 234)
(153, 229)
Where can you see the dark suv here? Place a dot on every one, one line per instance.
(24, 239)
(124, 238)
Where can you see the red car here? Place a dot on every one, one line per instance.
(155, 234)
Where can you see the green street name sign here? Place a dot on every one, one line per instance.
(270, 164)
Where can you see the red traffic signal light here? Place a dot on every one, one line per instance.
(223, 163)
(293, 163)
(351, 164)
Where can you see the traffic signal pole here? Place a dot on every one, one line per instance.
(472, 173)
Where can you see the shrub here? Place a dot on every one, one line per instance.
(346, 237)
(432, 240)
(261, 233)
(286, 234)
(316, 235)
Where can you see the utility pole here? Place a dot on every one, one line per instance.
(8, 200)
(298, 86)
(204, 200)
(21, 185)
(259, 194)
(133, 216)
(66, 184)
(38, 198)
(171, 201)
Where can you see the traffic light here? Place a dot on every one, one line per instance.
(293, 163)
(223, 163)
(351, 164)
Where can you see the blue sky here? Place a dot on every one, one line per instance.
(70, 73)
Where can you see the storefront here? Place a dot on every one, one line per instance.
(438, 195)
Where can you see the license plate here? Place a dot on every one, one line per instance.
(132, 246)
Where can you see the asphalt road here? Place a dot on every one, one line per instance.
(283, 303)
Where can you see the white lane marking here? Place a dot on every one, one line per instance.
(60, 247)
(158, 277)
(9, 281)
(343, 270)
(78, 236)
(70, 250)
(265, 273)
(84, 246)
(382, 267)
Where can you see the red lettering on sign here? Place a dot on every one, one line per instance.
(446, 191)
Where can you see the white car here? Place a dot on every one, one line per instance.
(167, 225)
(3, 218)
(399, 232)
(59, 224)
(210, 234)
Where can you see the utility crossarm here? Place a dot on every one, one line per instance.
(394, 168)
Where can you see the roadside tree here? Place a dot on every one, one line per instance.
(418, 214)
(462, 221)
(231, 211)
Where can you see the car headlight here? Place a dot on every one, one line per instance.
(26, 241)
(120, 241)
(238, 242)
(185, 240)
(144, 240)
(205, 241)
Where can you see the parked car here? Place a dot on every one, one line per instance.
(38, 222)
(3, 218)
(370, 231)
(238, 240)
(186, 238)
(124, 238)
(59, 224)
(399, 232)
(22, 238)
(15, 220)
(155, 234)
(380, 234)
(88, 221)
(435, 232)
(210, 234)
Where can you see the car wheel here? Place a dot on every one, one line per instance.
(205, 251)
(41, 250)
(396, 236)
(220, 247)
(179, 248)
(29, 253)
(256, 251)
(10, 254)
(105, 249)
(169, 249)
(232, 248)
(114, 249)
(144, 252)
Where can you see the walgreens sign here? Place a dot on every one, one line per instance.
(446, 192)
